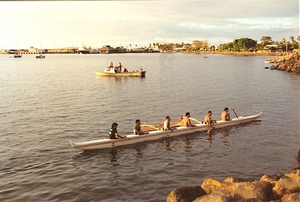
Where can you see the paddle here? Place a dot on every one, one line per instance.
(235, 113)
(124, 137)
(101, 134)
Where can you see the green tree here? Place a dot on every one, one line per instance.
(244, 44)
(294, 43)
(266, 40)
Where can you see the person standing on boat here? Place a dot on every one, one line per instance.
(225, 116)
(137, 128)
(120, 67)
(186, 120)
(167, 124)
(113, 133)
(111, 65)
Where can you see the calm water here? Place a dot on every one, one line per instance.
(47, 102)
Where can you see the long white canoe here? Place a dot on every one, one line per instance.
(157, 134)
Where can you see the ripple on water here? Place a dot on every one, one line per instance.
(60, 98)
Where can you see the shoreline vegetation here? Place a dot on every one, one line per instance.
(277, 188)
(167, 52)
(241, 46)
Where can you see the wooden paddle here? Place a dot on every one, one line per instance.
(235, 113)
(124, 137)
(101, 134)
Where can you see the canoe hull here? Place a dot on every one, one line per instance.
(157, 134)
(121, 74)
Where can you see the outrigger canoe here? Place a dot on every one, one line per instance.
(157, 134)
(112, 72)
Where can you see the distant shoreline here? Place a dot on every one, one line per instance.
(200, 53)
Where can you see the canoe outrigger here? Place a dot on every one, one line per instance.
(157, 133)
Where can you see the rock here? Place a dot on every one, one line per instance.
(280, 188)
(290, 63)
(185, 194)
(271, 179)
(289, 183)
(298, 157)
(251, 200)
(210, 185)
(215, 197)
(293, 173)
(257, 190)
(291, 197)
(235, 179)
(297, 166)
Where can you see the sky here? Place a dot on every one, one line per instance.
(58, 24)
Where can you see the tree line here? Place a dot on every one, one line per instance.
(237, 45)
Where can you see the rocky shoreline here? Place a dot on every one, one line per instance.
(290, 63)
(279, 188)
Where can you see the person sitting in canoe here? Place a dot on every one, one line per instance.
(186, 120)
(113, 133)
(167, 124)
(125, 70)
(137, 128)
(225, 116)
(208, 120)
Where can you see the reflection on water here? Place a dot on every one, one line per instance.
(225, 131)
(187, 145)
(50, 103)
(166, 145)
(114, 157)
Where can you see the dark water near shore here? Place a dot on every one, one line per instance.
(46, 103)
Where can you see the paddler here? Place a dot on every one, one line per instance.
(225, 116)
(209, 121)
(113, 132)
(186, 120)
(167, 124)
(137, 128)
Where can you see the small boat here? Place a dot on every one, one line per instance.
(156, 133)
(17, 55)
(40, 56)
(269, 61)
(114, 73)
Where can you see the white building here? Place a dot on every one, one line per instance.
(32, 50)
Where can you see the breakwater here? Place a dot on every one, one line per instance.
(284, 188)
(290, 63)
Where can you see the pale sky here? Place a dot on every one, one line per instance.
(57, 24)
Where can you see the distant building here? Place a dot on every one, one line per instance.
(107, 49)
(121, 49)
(272, 48)
(32, 50)
(136, 50)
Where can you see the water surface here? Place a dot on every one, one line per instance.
(47, 102)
